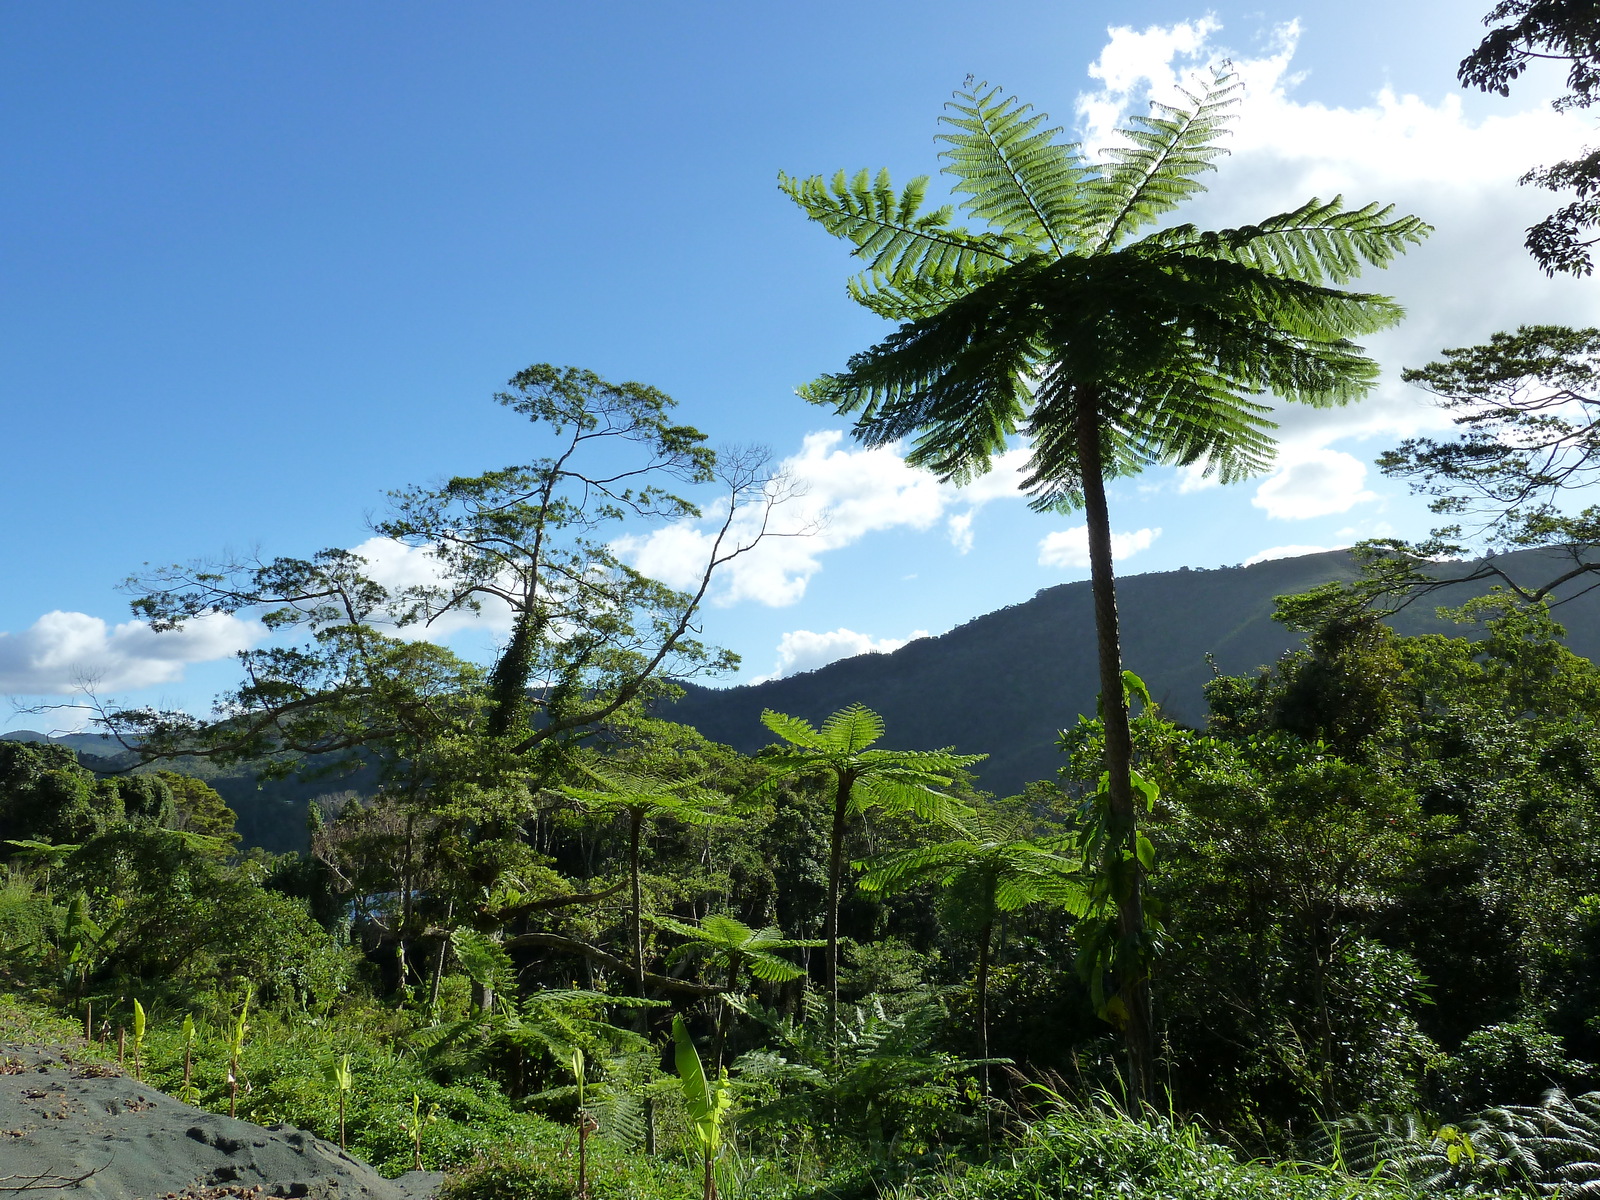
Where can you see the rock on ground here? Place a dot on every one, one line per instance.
(65, 1119)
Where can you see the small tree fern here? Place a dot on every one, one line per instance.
(994, 871)
(859, 779)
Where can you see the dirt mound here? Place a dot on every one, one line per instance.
(72, 1127)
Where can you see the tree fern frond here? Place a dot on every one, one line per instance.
(1319, 242)
(852, 729)
(899, 298)
(767, 966)
(1016, 176)
(891, 234)
(955, 381)
(889, 872)
(1170, 149)
(797, 731)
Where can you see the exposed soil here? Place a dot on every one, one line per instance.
(75, 1128)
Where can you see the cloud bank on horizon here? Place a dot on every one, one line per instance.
(1470, 278)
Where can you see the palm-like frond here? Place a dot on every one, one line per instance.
(1319, 242)
(1017, 178)
(754, 949)
(1178, 333)
(893, 235)
(1012, 872)
(797, 731)
(911, 792)
(1171, 148)
(649, 796)
(852, 729)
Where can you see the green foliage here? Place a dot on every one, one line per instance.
(878, 1085)
(1524, 404)
(1523, 32)
(706, 1102)
(1000, 327)
(1097, 1151)
(198, 807)
(46, 795)
(1515, 1062)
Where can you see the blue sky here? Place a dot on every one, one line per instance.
(259, 263)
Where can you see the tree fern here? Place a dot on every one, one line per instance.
(859, 778)
(1108, 352)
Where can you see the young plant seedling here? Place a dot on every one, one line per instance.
(235, 1048)
(138, 1040)
(342, 1081)
(188, 1093)
(707, 1103)
(416, 1125)
(575, 1065)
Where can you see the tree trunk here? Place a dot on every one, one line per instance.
(722, 1013)
(642, 1019)
(982, 986)
(635, 824)
(1133, 984)
(841, 804)
(407, 886)
(438, 962)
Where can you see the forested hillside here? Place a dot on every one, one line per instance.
(1002, 685)
(1005, 683)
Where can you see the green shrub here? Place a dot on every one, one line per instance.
(542, 1170)
(1079, 1154)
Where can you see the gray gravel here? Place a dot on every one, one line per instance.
(64, 1119)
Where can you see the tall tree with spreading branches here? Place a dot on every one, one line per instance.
(1524, 32)
(1110, 347)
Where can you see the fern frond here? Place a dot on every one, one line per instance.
(1319, 242)
(768, 966)
(890, 872)
(900, 795)
(1016, 176)
(1171, 148)
(797, 731)
(898, 298)
(889, 231)
(852, 729)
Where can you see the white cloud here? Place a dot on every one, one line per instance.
(62, 652)
(959, 527)
(1272, 552)
(1423, 154)
(396, 566)
(1070, 547)
(842, 494)
(1314, 484)
(1156, 59)
(802, 650)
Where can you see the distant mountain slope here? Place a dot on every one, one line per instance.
(92, 745)
(1003, 684)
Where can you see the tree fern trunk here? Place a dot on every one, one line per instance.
(841, 803)
(635, 822)
(982, 984)
(1132, 981)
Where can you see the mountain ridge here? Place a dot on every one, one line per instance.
(1005, 682)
